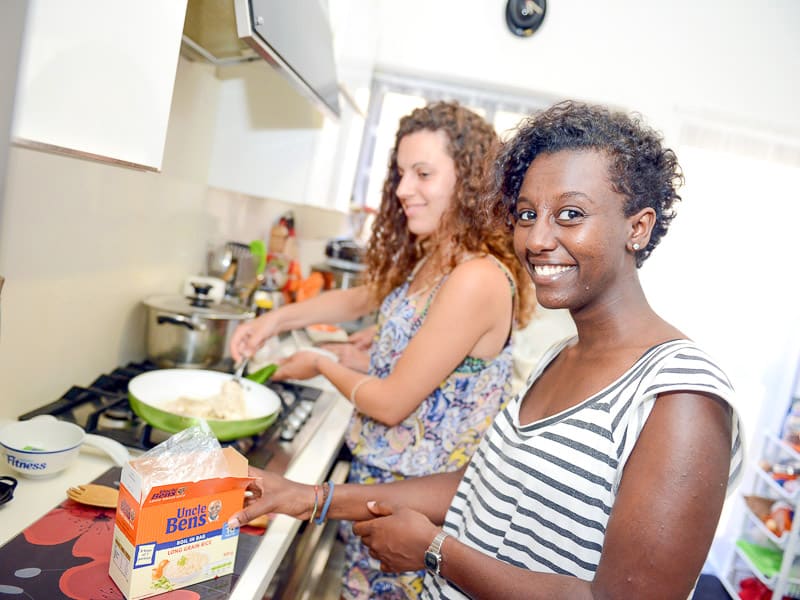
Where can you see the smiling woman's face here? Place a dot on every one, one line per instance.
(427, 180)
(570, 231)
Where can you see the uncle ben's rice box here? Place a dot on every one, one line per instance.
(171, 536)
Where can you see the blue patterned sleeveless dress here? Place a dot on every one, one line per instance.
(439, 436)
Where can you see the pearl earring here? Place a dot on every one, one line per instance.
(636, 246)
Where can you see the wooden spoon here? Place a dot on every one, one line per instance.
(105, 496)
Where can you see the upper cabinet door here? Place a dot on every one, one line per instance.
(96, 78)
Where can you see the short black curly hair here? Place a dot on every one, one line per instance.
(641, 169)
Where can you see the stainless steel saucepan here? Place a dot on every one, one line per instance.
(190, 332)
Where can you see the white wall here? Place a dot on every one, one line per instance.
(720, 64)
(82, 243)
(728, 57)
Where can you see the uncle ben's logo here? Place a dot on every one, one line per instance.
(168, 493)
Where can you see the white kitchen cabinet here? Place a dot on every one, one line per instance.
(783, 574)
(96, 78)
(12, 23)
(271, 142)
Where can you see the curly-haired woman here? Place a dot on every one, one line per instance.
(449, 291)
(605, 478)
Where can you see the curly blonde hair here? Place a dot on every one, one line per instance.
(466, 228)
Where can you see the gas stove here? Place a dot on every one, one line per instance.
(102, 408)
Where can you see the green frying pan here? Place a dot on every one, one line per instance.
(149, 392)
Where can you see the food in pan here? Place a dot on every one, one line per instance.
(228, 404)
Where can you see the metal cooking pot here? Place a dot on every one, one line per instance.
(190, 331)
(149, 391)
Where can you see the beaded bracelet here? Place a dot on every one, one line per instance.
(323, 515)
(325, 492)
(316, 504)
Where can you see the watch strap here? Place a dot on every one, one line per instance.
(436, 544)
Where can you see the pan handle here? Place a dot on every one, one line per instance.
(118, 453)
(182, 321)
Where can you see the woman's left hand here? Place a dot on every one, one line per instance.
(398, 537)
(300, 365)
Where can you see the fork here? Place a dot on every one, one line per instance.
(94, 495)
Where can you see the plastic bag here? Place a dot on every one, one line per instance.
(189, 455)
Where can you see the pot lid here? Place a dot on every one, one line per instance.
(194, 306)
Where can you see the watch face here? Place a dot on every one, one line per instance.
(523, 17)
(431, 562)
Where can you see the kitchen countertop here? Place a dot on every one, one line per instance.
(33, 498)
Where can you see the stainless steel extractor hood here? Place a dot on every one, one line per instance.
(294, 36)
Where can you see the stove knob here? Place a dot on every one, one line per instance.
(307, 405)
(294, 421)
(288, 397)
(287, 434)
(302, 412)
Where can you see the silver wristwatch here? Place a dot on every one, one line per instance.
(433, 555)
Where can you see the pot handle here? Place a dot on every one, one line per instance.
(182, 321)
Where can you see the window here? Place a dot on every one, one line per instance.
(394, 96)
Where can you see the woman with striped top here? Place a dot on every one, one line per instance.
(605, 478)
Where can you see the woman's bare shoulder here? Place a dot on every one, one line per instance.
(482, 265)
(483, 275)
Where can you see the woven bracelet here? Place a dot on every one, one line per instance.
(324, 514)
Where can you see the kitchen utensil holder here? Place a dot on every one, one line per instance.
(246, 269)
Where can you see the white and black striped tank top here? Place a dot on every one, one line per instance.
(539, 496)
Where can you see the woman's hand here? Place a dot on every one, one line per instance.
(271, 493)
(363, 338)
(249, 336)
(300, 365)
(354, 354)
(349, 355)
(398, 537)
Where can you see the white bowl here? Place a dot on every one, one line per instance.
(42, 446)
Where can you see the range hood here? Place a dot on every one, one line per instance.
(293, 36)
